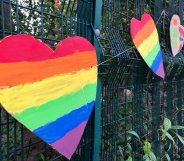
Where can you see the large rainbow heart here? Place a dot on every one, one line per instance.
(176, 35)
(145, 37)
(51, 93)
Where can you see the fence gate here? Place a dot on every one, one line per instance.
(129, 96)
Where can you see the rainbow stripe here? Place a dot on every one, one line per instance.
(145, 38)
(52, 94)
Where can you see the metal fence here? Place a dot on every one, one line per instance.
(129, 97)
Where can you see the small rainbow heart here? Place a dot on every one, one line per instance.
(176, 35)
(51, 93)
(145, 37)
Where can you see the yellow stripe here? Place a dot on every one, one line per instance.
(20, 98)
(148, 44)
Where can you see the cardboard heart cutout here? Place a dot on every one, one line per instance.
(51, 93)
(145, 37)
(176, 35)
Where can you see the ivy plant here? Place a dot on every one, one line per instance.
(145, 146)
(168, 131)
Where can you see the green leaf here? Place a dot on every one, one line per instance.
(180, 138)
(129, 138)
(167, 156)
(145, 156)
(167, 124)
(169, 147)
(177, 127)
(163, 134)
(120, 150)
(42, 156)
(129, 147)
(129, 158)
(153, 157)
(147, 147)
(133, 133)
(170, 137)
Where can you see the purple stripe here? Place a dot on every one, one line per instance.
(68, 144)
(160, 70)
(57, 129)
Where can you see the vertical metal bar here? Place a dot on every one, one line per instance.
(70, 26)
(179, 116)
(8, 137)
(17, 16)
(10, 16)
(109, 11)
(157, 12)
(42, 16)
(72, 8)
(2, 17)
(62, 24)
(171, 8)
(169, 107)
(97, 117)
(2, 30)
(181, 3)
(156, 108)
(22, 143)
(15, 140)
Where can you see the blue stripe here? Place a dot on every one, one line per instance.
(157, 62)
(54, 131)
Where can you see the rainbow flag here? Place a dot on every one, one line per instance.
(51, 93)
(145, 37)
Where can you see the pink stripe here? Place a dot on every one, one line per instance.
(68, 144)
(181, 28)
(160, 70)
(137, 25)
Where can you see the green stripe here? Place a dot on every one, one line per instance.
(176, 33)
(36, 117)
(152, 54)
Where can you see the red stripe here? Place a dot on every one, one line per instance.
(19, 48)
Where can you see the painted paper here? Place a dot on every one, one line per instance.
(145, 37)
(176, 35)
(51, 93)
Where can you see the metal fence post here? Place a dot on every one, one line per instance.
(180, 10)
(180, 114)
(157, 12)
(97, 112)
(156, 108)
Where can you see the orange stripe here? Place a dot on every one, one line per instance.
(144, 33)
(12, 74)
